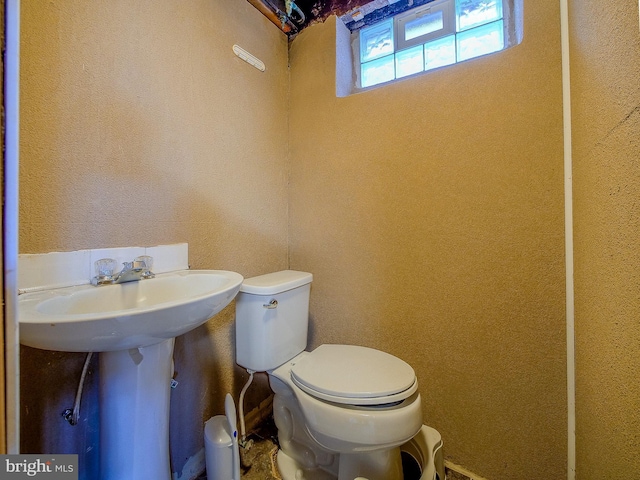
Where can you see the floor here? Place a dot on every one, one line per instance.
(451, 475)
(258, 461)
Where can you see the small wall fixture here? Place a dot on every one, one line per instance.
(247, 57)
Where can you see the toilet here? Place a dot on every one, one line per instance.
(343, 412)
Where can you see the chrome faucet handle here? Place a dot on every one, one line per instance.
(105, 268)
(146, 263)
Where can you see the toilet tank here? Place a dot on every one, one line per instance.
(272, 319)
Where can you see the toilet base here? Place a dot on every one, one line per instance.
(425, 448)
(289, 469)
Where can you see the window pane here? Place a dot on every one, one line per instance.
(471, 13)
(376, 41)
(440, 52)
(378, 71)
(423, 25)
(409, 61)
(480, 41)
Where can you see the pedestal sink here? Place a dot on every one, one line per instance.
(133, 325)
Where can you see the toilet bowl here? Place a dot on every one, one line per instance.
(422, 459)
(342, 411)
(353, 399)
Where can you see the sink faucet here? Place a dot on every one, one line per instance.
(139, 268)
(133, 271)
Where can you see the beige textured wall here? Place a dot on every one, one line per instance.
(430, 212)
(140, 127)
(605, 88)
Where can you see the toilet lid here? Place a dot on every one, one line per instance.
(354, 375)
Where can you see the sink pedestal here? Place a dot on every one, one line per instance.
(134, 412)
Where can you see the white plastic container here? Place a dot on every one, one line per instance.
(221, 445)
(218, 448)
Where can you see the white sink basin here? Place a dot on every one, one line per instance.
(129, 315)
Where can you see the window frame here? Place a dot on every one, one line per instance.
(446, 7)
(510, 36)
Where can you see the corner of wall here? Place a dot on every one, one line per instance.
(344, 61)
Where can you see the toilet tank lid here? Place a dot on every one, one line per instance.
(277, 282)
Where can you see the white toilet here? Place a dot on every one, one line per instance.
(342, 411)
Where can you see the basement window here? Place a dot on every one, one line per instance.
(433, 35)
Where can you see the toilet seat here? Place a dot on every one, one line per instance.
(339, 421)
(354, 375)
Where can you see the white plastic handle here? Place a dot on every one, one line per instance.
(230, 412)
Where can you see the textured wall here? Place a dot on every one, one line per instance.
(140, 127)
(430, 212)
(605, 73)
